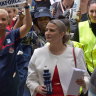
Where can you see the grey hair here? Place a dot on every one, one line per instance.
(62, 28)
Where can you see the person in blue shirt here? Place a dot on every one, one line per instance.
(8, 44)
(24, 52)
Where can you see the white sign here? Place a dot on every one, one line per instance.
(10, 3)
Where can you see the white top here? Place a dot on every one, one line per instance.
(53, 1)
(65, 62)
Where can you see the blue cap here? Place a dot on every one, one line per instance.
(42, 12)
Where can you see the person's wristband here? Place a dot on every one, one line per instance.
(26, 7)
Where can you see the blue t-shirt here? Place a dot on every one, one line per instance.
(7, 62)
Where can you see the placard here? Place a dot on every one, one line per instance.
(11, 3)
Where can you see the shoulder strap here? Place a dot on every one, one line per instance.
(74, 55)
(57, 5)
(61, 7)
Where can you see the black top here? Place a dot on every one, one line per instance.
(93, 26)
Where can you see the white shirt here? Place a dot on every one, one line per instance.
(65, 62)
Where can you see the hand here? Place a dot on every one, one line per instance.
(81, 82)
(21, 15)
(41, 90)
(79, 15)
(26, 3)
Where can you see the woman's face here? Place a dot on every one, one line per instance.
(68, 3)
(52, 33)
(92, 12)
(3, 21)
(11, 14)
(42, 22)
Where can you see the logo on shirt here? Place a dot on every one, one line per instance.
(8, 41)
(11, 50)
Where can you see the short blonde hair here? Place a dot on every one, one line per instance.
(4, 11)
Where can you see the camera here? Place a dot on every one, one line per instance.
(70, 14)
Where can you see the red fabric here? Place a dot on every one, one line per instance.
(57, 88)
(9, 27)
(1, 41)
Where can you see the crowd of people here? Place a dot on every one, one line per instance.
(45, 34)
